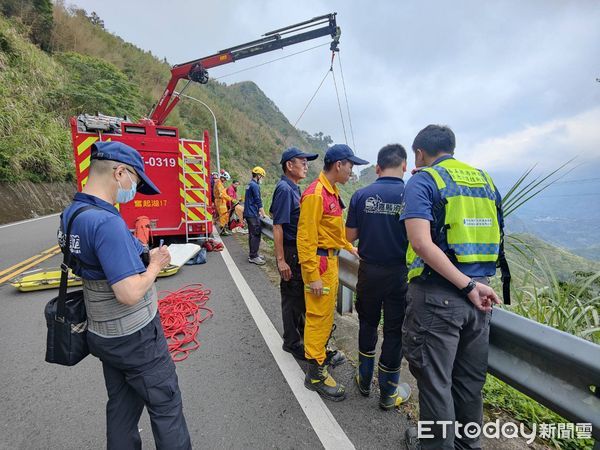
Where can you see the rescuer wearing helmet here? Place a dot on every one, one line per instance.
(453, 218)
(373, 220)
(213, 178)
(221, 200)
(124, 329)
(320, 239)
(253, 211)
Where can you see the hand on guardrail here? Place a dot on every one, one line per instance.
(483, 297)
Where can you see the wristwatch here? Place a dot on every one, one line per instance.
(469, 287)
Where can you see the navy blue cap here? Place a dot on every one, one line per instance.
(338, 152)
(294, 152)
(117, 151)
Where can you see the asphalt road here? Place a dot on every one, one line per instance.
(235, 395)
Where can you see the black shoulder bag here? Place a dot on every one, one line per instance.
(66, 342)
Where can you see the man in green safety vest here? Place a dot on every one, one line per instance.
(454, 224)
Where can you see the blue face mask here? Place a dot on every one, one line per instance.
(126, 195)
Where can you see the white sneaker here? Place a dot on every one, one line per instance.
(258, 261)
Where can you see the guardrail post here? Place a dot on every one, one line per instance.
(597, 441)
(344, 300)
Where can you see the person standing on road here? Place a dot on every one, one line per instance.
(373, 219)
(124, 329)
(232, 192)
(453, 219)
(253, 211)
(222, 199)
(320, 238)
(285, 211)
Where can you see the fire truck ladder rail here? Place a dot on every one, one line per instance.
(200, 191)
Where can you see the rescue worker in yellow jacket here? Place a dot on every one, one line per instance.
(221, 200)
(320, 238)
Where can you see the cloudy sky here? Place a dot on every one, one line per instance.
(516, 80)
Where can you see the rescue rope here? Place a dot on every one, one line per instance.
(181, 313)
(347, 103)
(313, 96)
(340, 107)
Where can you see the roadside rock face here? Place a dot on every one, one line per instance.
(26, 200)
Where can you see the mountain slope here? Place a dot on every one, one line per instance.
(92, 70)
(521, 248)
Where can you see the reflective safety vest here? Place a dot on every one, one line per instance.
(471, 215)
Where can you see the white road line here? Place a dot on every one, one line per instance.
(326, 427)
(28, 220)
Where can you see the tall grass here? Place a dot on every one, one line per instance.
(538, 294)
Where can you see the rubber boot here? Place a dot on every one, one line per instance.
(364, 372)
(334, 358)
(392, 393)
(318, 379)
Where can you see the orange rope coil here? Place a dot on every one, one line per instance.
(181, 313)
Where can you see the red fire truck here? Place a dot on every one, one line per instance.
(180, 167)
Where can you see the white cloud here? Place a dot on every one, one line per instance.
(547, 144)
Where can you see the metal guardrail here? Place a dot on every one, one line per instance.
(552, 367)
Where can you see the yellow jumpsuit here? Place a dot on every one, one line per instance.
(221, 199)
(320, 229)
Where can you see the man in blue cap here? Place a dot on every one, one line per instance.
(285, 211)
(320, 238)
(124, 329)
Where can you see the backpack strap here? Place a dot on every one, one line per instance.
(67, 261)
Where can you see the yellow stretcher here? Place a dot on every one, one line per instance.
(40, 279)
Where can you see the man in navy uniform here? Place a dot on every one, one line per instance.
(285, 211)
(373, 219)
(253, 212)
(124, 329)
(453, 220)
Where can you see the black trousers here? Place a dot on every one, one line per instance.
(138, 372)
(381, 286)
(253, 235)
(446, 344)
(293, 308)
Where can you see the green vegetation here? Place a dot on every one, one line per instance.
(34, 141)
(83, 68)
(501, 400)
(35, 16)
(553, 287)
(95, 85)
(523, 248)
(570, 305)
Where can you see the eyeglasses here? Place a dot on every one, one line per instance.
(301, 162)
(137, 177)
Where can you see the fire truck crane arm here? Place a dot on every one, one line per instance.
(197, 70)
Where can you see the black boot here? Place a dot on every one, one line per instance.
(392, 393)
(318, 379)
(334, 358)
(364, 373)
